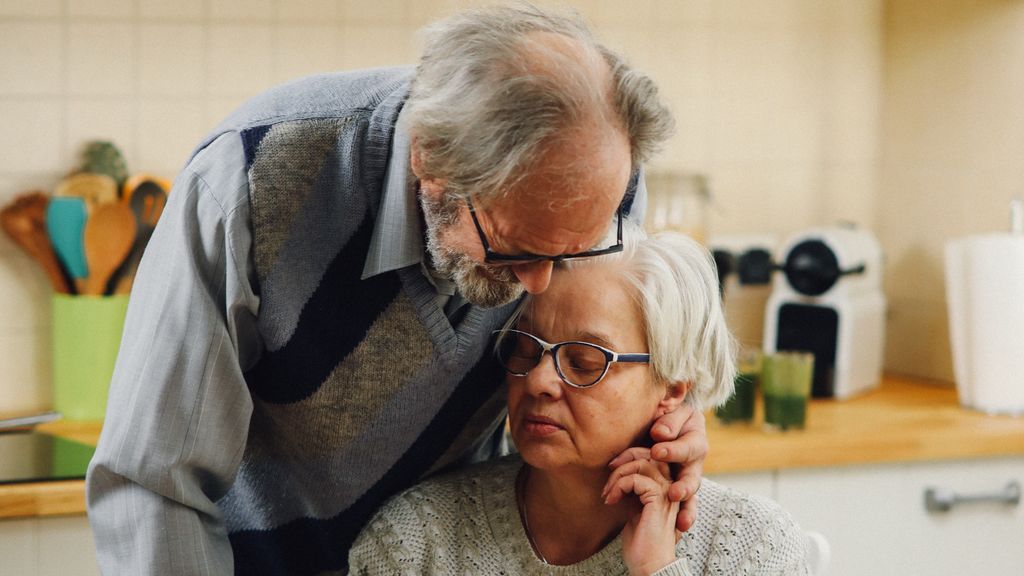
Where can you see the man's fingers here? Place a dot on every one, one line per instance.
(685, 450)
(687, 514)
(671, 425)
(687, 482)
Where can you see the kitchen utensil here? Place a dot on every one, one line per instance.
(65, 223)
(27, 422)
(24, 220)
(146, 195)
(103, 157)
(95, 189)
(109, 236)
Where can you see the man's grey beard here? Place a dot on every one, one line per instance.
(481, 285)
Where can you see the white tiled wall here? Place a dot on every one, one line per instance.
(776, 101)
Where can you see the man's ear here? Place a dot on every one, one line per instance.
(432, 187)
(675, 393)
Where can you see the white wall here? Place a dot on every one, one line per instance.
(953, 149)
(777, 101)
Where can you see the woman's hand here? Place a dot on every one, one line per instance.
(649, 537)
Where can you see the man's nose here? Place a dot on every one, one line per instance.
(534, 276)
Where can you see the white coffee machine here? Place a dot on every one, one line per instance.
(828, 300)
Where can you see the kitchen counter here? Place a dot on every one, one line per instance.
(904, 420)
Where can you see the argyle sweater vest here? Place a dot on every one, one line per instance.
(363, 387)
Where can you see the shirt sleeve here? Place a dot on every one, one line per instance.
(178, 410)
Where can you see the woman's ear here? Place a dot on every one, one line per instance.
(675, 393)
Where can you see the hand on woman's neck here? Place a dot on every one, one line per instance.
(568, 519)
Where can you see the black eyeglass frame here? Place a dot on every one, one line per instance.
(491, 256)
(610, 356)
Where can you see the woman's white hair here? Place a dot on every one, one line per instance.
(497, 86)
(674, 282)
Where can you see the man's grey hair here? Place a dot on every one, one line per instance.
(674, 282)
(492, 92)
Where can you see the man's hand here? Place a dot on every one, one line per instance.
(681, 438)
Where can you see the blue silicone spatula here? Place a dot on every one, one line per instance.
(65, 223)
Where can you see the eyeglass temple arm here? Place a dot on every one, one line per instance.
(630, 357)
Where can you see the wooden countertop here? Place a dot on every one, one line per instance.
(904, 420)
(57, 498)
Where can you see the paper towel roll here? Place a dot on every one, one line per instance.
(985, 280)
(956, 304)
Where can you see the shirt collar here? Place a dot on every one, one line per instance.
(397, 239)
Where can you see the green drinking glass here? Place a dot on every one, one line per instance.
(740, 406)
(786, 379)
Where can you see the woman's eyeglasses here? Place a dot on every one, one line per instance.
(579, 364)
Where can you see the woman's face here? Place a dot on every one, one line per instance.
(555, 425)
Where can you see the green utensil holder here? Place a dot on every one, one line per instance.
(86, 337)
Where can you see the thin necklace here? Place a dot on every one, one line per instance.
(521, 501)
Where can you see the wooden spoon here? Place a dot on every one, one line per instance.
(95, 189)
(109, 236)
(24, 220)
(146, 195)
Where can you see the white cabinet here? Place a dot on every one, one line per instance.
(47, 546)
(876, 523)
(756, 483)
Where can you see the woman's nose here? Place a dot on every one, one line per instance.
(534, 276)
(543, 379)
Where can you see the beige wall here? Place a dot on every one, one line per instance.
(778, 102)
(953, 155)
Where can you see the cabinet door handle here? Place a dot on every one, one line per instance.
(943, 500)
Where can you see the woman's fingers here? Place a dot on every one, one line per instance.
(629, 454)
(687, 514)
(629, 463)
(641, 477)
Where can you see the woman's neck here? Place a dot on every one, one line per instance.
(565, 514)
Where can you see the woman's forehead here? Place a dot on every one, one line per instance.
(586, 300)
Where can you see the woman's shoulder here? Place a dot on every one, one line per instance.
(437, 526)
(739, 533)
(462, 487)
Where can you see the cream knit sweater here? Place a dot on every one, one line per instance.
(468, 523)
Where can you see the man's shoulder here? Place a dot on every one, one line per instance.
(328, 95)
(331, 96)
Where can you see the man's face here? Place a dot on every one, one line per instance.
(550, 212)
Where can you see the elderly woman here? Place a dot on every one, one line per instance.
(613, 344)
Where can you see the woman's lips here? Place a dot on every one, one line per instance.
(540, 425)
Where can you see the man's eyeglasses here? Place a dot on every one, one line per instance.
(491, 256)
(579, 364)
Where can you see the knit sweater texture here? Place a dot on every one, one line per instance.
(468, 522)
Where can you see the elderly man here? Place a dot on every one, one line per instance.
(309, 329)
